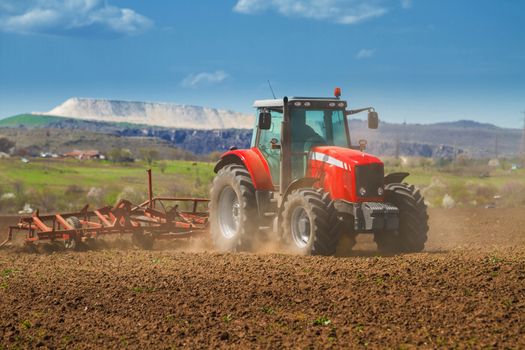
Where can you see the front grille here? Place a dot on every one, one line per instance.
(369, 177)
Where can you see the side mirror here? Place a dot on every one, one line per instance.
(373, 120)
(265, 120)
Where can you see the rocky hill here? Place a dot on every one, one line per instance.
(440, 140)
(477, 140)
(151, 113)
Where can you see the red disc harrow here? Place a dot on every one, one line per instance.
(156, 218)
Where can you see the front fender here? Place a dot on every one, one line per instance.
(253, 161)
(394, 178)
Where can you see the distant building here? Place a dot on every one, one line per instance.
(48, 155)
(85, 154)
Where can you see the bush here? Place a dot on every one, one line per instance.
(6, 145)
(119, 155)
(46, 200)
(132, 194)
(149, 155)
(214, 156)
(163, 166)
(513, 194)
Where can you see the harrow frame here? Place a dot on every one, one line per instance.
(143, 221)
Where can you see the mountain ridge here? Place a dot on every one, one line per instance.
(440, 140)
(163, 114)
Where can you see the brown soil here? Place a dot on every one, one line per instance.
(466, 290)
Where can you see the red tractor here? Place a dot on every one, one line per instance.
(305, 181)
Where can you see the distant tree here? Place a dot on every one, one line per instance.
(214, 156)
(30, 151)
(149, 155)
(181, 154)
(6, 145)
(163, 166)
(119, 155)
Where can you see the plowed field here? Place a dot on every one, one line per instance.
(466, 290)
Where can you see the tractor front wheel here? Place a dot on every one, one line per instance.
(233, 209)
(306, 223)
(413, 221)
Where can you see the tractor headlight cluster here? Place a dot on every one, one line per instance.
(362, 191)
(380, 191)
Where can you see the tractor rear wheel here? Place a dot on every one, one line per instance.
(413, 221)
(233, 209)
(306, 223)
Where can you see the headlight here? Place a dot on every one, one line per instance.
(380, 191)
(362, 191)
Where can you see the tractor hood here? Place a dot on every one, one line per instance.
(347, 174)
(342, 157)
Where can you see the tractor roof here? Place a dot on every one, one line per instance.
(280, 102)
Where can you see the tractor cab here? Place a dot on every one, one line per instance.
(288, 129)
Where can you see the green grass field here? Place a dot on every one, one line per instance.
(69, 184)
(29, 120)
(40, 120)
(64, 184)
(59, 174)
(423, 177)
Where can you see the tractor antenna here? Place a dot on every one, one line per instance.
(270, 85)
(523, 140)
(496, 147)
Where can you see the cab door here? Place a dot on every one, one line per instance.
(269, 143)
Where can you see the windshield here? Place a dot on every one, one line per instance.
(321, 127)
(311, 128)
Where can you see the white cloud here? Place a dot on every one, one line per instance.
(205, 78)
(63, 16)
(339, 11)
(250, 6)
(365, 53)
(406, 4)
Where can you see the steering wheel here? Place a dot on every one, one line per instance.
(314, 141)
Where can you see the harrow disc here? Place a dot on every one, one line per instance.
(73, 242)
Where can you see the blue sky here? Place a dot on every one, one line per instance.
(421, 61)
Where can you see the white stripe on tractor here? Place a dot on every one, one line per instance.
(325, 158)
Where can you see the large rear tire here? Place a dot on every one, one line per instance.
(413, 221)
(307, 225)
(233, 209)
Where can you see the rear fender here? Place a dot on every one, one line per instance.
(253, 161)
(395, 178)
